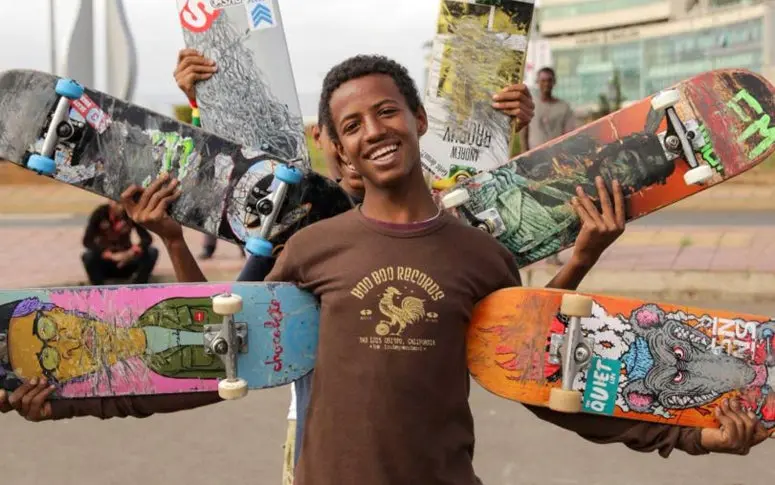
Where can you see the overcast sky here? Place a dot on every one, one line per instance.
(319, 33)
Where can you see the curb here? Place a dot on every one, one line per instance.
(685, 287)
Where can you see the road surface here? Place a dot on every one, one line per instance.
(240, 442)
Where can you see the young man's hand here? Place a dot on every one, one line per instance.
(148, 207)
(599, 229)
(515, 101)
(30, 400)
(192, 67)
(739, 430)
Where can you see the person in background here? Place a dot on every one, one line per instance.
(110, 252)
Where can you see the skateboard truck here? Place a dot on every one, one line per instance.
(488, 221)
(58, 127)
(226, 340)
(573, 352)
(270, 207)
(678, 140)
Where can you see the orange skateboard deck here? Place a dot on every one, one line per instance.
(697, 134)
(633, 359)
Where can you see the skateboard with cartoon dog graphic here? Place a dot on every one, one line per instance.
(622, 357)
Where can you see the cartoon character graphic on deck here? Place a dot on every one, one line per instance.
(67, 346)
(532, 193)
(672, 362)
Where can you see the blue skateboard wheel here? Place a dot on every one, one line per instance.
(259, 247)
(41, 164)
(69, 89)
(289, 175)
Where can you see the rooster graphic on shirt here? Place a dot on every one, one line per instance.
(408, 311)
(396, 299)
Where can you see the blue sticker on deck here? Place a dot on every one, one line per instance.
(602, 386)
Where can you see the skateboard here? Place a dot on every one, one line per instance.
(480, 47)
(621, 357)
(697, 134)
(158, 339)
(98, 143)
(252, 98)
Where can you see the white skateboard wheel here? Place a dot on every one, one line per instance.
(230, 390)
(564, 401)
(455, 198)
(665, 99)
(698, 175)
(227, 304)
(574, 305)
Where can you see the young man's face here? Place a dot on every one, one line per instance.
(378, 132)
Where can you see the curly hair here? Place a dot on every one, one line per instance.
(361, 66)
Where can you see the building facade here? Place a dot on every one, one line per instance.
(651, 44)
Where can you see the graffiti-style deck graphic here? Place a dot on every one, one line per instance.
(479, 48)
(649, 361)
(252, 98)
(525, 203)
(150, 339)
(104, 145)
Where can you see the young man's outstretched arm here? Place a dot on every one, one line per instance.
(738, 432)
(598, 231)
(148, 207)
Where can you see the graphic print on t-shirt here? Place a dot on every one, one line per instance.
(397, 302)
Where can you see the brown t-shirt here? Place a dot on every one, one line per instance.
(390, 390)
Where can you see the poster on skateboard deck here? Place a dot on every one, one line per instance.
(479, 48)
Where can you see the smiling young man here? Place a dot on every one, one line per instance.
(389, 401)
(390, 389)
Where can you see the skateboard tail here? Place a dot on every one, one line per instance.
(646, 361)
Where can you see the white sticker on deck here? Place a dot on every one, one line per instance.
(226, 3)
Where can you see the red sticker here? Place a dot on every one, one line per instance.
(94, 116)
(197, 15)
(199, 316)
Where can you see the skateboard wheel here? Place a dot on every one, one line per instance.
(289, 175)
(698, 175)
(455, 198)
(574, 305)
(69, 89)
(227, 304)
(230, 390)
(564, 401)
(665, 99)
(41, 164)
(259, 247)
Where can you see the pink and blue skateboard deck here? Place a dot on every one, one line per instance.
(153, 339)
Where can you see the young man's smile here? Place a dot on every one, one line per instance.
(384, 154)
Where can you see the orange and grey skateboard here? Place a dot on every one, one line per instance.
(621, 357)
(701, 132)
